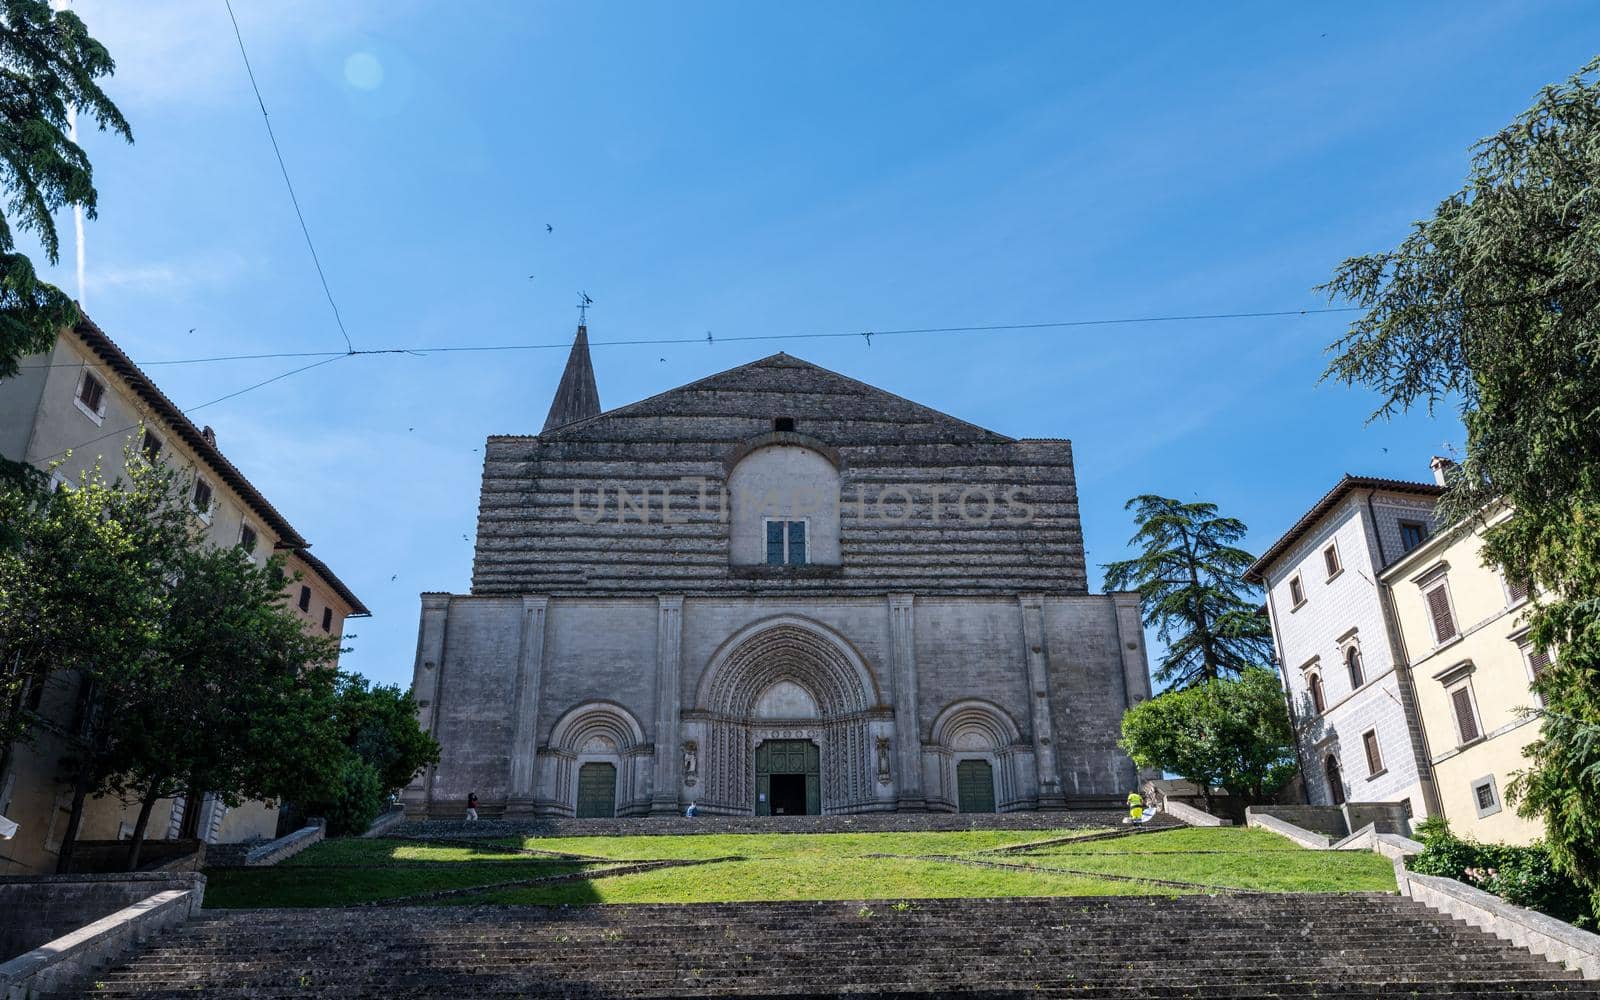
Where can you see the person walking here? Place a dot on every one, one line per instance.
(472, 807)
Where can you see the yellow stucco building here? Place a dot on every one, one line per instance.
(1463, 635)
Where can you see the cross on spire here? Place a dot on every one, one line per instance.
(584, 302)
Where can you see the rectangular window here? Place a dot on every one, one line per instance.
(1412, 534)
(327, 619)
(1369, 740)
(786, 543)
(247, 539)
(92, 393)
(1444, 622)
(202, 497)
(150, 446)
(1538, 661)
(1485, 796)
(1466, 718)
(1517, 590)
(305, 598)
(1330, 559)
(1297, 591)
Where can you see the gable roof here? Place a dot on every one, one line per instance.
(752, 374)
(357, 609)
(1256, 573)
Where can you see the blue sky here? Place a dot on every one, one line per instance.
(776, 169)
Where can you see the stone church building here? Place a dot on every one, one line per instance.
(776, 590)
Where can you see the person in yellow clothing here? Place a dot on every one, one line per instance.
(1135, 808)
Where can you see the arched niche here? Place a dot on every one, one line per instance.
(976, 730)
(776, 487)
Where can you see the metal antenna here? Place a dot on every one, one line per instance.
(584, 302)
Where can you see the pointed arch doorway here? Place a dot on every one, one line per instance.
(788, 778)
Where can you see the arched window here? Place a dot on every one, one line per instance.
(1318, 702)
(1330, 767)
(785, 506)
(1352, 663)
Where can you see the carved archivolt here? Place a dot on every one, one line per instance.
(975, 724)
(597, 726)
(817, 660)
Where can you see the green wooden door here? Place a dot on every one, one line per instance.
(597, 791)
(788, 757)
(975, 786)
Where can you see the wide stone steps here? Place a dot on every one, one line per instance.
(1241, 947)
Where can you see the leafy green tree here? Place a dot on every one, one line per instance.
(234, 660)
(380, 749)
(1231, 733)
(1492, 305)
(82, 598)
(48, 64)
(1190, 577)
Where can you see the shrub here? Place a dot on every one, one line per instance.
(1524, 876)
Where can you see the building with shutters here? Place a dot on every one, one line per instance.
(1464, 637)
(1355, 715)
(85, 403)
(776, 590)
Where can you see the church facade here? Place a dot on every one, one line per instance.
(776, 590)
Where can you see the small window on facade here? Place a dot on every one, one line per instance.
(1330, 559)
(786, 543)
(327, 619)
(92, 393)
(149, 446)
(1517, 590)
(1412, 534)
(1352, 663)
(1318, 701)
(305, 598)
(1444, 621)
(1466, 717)
(1485, 796)
(1369, 741)
(202, 497)
(247, 539)
(1538, 660)
(783, 423)
(1297, 591)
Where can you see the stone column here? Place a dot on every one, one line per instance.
(425, 689)
(669, 654)
(525, 710)
(1044, 751)
(907, 726)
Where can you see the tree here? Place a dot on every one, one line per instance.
(1189, 575)
(82, 596)
(381, 748)
(1493, 305)
(49, 66)
(235, 664)
(1232, 733)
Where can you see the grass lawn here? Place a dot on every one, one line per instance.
(801, 866)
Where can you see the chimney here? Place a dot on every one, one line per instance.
(1442, 467)
(209, 434)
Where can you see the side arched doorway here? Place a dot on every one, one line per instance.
(1335, 780)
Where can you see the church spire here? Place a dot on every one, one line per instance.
(577, 397)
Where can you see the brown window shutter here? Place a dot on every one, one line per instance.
(1518, 590)
(1539, 660)
(1444, 624)
(1462, 699)
(1374, 758)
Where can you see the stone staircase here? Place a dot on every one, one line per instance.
(1236, 947)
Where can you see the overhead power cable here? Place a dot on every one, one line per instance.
(663, 341)
(199, 406)
(284, 169)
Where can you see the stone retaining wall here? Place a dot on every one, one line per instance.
(37, 908)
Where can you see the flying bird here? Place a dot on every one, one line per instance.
(191, 329)
(549, 228)
(394, 578)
